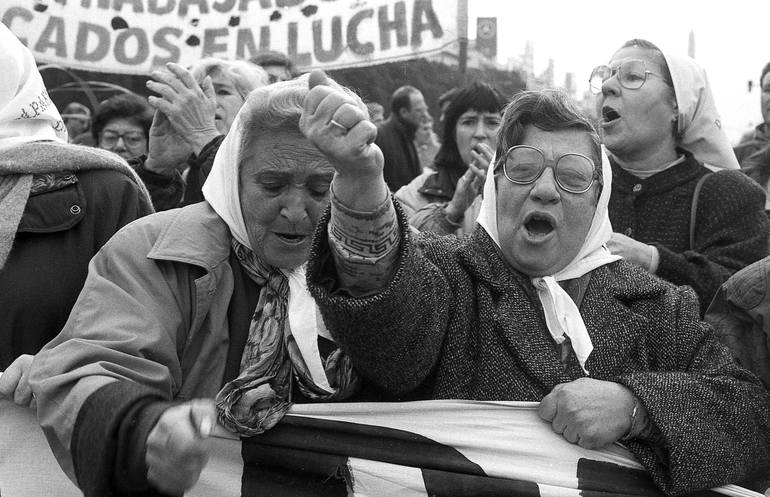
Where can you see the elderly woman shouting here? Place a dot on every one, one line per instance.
(531, 306)
(204, 302)
(672, 215)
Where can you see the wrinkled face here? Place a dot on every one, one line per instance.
(541, 226)
(229, 102)
(474, 127)
(636, 122)
(124, 137)
(284, 187)
(766, 98)
(417, 112)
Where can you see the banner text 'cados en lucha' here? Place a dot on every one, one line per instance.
(136, 36)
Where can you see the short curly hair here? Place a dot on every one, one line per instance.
(549, 110)
(128, 106)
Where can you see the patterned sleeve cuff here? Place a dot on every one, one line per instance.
(364, 244)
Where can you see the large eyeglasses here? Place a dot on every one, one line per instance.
(631, 75)
(131, 139)
(523, 165)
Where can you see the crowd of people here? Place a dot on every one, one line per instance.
(248, 238)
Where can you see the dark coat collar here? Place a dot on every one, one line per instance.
(439, 184)
(405, 128)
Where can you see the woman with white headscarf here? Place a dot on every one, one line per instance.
(59, 202)
(671, 214)
(206, 302)
(532, 306)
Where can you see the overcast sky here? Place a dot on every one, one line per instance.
(732, 40)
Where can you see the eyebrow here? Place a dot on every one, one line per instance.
(277, 173)
(118, 132)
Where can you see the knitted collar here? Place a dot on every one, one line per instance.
(666, 180)
(646, 173)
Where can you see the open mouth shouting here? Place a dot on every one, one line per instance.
(609, 115)
(539, 225)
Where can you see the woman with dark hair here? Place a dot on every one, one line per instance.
(446, 200)
(122, 125)
(672, 214)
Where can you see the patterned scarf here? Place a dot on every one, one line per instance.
(260, 396)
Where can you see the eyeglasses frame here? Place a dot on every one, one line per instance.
(121, 136)
(501, 163)
(615, 72)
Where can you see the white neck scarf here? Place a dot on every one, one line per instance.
(221, 192)
(561, 314)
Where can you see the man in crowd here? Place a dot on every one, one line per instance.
(395, 136)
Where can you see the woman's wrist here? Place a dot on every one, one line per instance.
(360, 193)
(198, 141)
(639, 422)
(453, 215)
(151, 165)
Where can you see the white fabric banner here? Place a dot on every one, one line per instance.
(136, 36)
(444, 447)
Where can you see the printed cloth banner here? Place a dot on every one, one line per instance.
(447, 448)
(136, 36)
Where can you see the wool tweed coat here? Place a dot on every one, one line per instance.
(456, 321)
(731, 227)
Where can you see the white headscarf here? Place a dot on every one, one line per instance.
(561, 314)
(699, 125)
(28, 115)
(26, 111)
(221, 192)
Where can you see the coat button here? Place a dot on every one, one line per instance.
(628, 232)
(637, 188)
(75, 210)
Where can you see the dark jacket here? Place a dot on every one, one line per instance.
(67, 218)
(424, 200)
(396, 140)
(456, 322)
(731, 228)
(172, 191)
